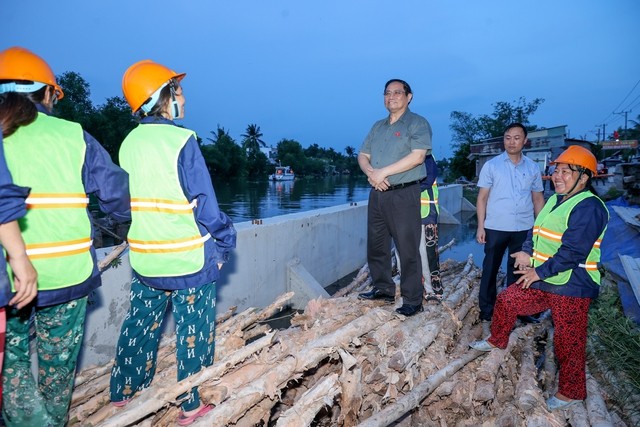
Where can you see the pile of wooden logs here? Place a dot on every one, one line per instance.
(346, 362)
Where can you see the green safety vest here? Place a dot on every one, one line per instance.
(428, 198)
(548, 229)
(164, 238)
(48, 156)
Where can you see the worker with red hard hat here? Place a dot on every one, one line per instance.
(62, 164)
(179, 239)
(558, 268)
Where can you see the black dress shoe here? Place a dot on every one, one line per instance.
(409, 310)
(376, 294)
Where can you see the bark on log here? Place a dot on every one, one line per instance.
(115, 253)
(156, 396)
(528, 395)
(361, 277)
(351, 392)
(311, 402)
(577, 415)
(596, 408)
(263, 388)
(233, 408)
(411, 400)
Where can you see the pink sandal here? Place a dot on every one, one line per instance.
(185, 421)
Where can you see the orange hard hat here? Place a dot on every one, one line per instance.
(18, 63)
(579, 156)
(143, 79)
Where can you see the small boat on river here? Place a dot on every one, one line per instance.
(282, 173)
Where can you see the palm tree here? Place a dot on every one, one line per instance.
(350, 151)
(219, 134)
(252, 141)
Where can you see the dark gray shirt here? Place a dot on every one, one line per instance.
(387, 143)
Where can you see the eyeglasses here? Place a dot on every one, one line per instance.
(394, 92)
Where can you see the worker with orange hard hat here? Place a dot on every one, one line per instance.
(558, 268)
(62, 164)
(179, 239)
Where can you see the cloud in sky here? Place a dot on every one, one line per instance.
(314, 71)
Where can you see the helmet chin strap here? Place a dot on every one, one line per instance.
(175, 111)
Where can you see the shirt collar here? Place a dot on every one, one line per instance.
(156, 120)
(402, 117)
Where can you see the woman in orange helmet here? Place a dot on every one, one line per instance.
(178, 239)
(558, 268)
(12, 207)
(62, 165)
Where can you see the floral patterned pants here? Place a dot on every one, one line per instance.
(194, 311)
(430, 257)
(3, 329)
(569, 316)
(59, 332)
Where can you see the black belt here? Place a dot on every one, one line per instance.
(403, 185)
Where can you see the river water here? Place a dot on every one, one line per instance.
(246, 201)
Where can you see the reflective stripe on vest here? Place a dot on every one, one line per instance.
(48, 250)
(52, 201)
(168, 246)
(158, 205)
(164, 236)
(429, 197)
(548, 230)
(48, 156)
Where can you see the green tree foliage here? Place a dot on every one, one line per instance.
(109, 123)
(76, 105)
(252, 138)
(224, 158)
(290, 153)
(257, 162)
(467, 130)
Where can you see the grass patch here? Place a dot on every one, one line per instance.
(613, 193)
(614, 350)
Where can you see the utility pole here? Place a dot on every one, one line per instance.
(604, 134)
(625, 121)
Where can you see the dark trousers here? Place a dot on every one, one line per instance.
(496, 244)
(395, 214)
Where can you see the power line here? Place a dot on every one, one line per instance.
(621, 102)
(625, 98)
(630, 106)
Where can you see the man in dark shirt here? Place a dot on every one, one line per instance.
(392, 156)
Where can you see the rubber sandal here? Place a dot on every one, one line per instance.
(554, 403)
(120, 403)
(185, 421)
(433, 298)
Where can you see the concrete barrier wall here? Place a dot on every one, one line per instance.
(328, 243)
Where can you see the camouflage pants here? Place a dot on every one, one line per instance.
(194, 311)
(59, 332)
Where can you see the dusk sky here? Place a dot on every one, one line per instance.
(314, 71)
